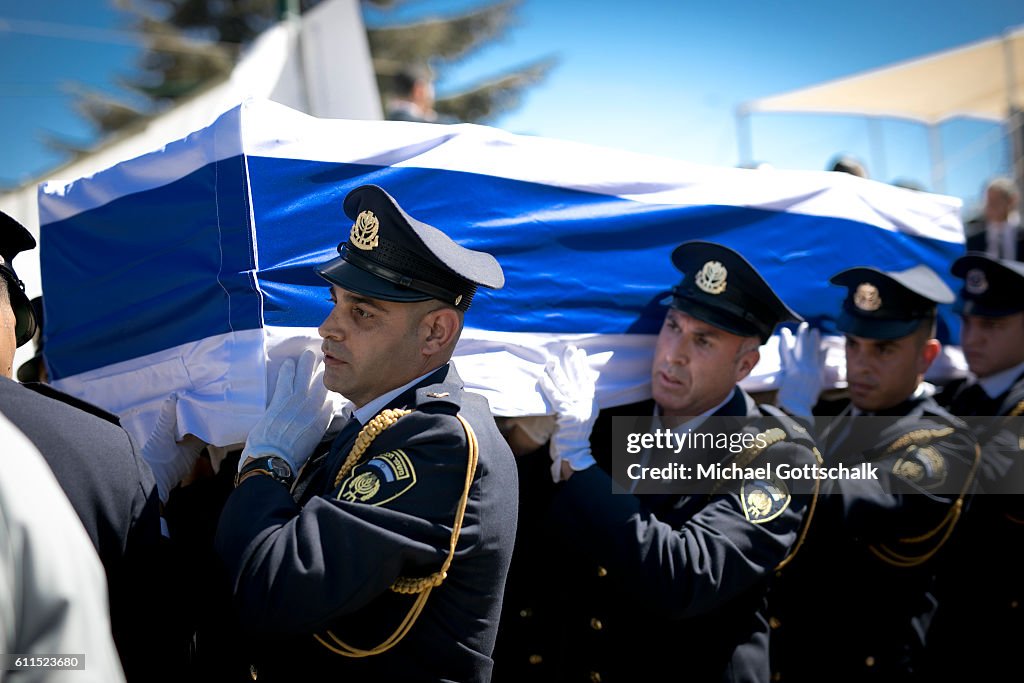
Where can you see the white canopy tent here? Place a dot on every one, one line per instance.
(983, 80)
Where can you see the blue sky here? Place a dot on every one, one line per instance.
(652, 76)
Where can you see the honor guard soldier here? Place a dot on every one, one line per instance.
(981, 608)
(385, 558)
(857, 603)
(634, 585)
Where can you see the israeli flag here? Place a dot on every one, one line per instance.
(189, 270)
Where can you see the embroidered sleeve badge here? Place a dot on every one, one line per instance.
(381, 479)
(764, 499)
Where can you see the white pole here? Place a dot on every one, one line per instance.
(744, 142)
(938, 164)
(1014, 114)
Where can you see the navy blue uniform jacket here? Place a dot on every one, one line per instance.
(299, 570)
(858, 602)
(652, 586)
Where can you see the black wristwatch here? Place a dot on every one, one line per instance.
(272, 465)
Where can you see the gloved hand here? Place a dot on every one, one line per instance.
(169, 459)
(803, 364)
(297, 416)
(569, 386)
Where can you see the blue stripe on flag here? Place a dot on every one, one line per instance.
(149, 271)
(574, 261)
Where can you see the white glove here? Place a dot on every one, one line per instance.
(297, 416)
(569, 386)
(170, 460)
(803, 364)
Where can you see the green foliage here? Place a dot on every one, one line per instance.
(193, 44)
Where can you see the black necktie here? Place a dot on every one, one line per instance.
(342, 444)
(318, 474)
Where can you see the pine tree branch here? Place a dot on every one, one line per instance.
(483, 101)
(447, 39)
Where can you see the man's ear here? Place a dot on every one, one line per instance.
(442, 329)
(929, 352)
(746, 363)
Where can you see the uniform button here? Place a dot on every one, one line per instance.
(536, 659)
(253, 673)
(869, 661)
(776, 676)
(526, 613)
(774, 623)
(596, 624)
(595, 677)
(1014, 604)
(601, 571)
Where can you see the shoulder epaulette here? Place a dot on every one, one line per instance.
(918, 437)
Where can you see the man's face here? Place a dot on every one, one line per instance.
(8, 338)
(696, 365)
(883, 373)
(371, 346)
(992, 345)
(997, 205)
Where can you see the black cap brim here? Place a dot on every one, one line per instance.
(982, 310)
(873, 328)
(340, 272)
(721, 320)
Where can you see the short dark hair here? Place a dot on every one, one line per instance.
(847, 164)
(928, 327)
(407, 78)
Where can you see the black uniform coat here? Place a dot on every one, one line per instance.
(113, 491)
(652, 586)
(977, 238)
(982, 595)
(858, 601)
(328, 564)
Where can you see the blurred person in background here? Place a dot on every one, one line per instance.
(997, 231)
(847, 164)
(412, 97)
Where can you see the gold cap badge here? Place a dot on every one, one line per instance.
(976, 282)
(866, 298)
(364, 231)
(711, 278)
